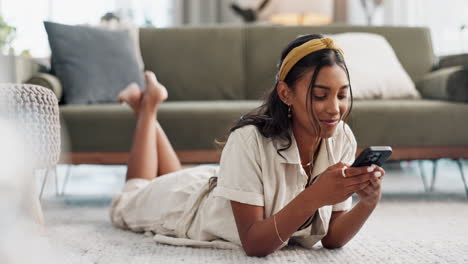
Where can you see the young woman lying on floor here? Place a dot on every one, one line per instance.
(284, 173)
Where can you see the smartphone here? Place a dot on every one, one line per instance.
(373, 155)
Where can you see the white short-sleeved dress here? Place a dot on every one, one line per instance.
(179, 209)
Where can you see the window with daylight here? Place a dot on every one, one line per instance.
(447, 20)
(27, 16)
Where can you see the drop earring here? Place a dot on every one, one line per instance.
(289, 111)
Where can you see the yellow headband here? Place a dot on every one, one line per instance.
(303, 50)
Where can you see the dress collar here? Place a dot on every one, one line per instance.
(325, 157)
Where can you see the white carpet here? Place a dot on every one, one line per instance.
(397, 232)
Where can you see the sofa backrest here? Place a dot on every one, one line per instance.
(264, 44)
(240, 62)
(196, 63)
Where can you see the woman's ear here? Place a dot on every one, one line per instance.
(284, 92)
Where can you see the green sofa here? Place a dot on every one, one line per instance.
(215, 74)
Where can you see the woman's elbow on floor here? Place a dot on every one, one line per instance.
(253, 252)
(332, 245)
(257, 254)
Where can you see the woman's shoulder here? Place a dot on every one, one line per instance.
(250, 137)
(246, 132)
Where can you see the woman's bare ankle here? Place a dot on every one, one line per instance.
(155, 92)
(148, 107)
(132, 96)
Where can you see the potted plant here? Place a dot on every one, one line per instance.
(7, 35)
(13, 68)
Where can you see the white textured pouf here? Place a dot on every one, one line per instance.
(30, 124)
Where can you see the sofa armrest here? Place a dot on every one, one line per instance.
(449, 84)
(453, 60)
(49, 81)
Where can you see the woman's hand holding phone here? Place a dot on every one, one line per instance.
(372, 194)
(334, 188)
(374, 155)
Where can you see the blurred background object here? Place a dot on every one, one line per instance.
(29, 136)
(249, 14)
(302, 12)
(444, 18)
(7, 35)
(370, 6)
(16, 69)
(13, 69)
(34, 113)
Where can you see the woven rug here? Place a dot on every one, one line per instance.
(397, 232)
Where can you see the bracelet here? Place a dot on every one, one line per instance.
(276, 228)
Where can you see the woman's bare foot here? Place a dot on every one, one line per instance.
(132, 96)
(155, 93)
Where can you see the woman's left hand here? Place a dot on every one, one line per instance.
(373, 192)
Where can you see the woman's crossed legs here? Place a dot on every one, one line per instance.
(151, 154)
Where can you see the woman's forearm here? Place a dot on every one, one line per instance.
(263, 236)
(345, 227)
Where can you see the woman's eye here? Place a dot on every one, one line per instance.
(342, 97)
(319, 97)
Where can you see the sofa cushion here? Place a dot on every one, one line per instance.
(92, 64)
(265, 43)
(196, 63)
(133, 32)
(446, 84)
(374, 69)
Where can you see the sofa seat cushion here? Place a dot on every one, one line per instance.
(188, 125)
(410, 123)
(196, 124)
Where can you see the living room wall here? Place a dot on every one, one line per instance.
(446, 19)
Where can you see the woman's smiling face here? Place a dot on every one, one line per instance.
(329, 102)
